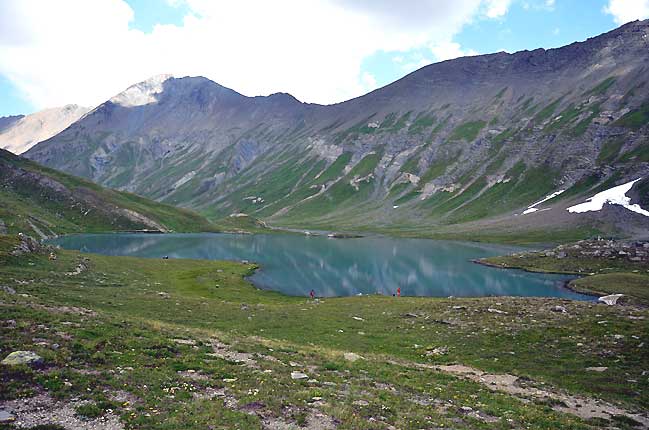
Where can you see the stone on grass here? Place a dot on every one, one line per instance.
(7, 290)
(560, 309)
(299, 375)
(22, 357)
(611, 299)
(352, 356)
(436, 352)
(6, 417)
(597, 369)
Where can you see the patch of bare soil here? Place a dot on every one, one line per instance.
(222, 350)
(581, 406)
(43, 409)
(315, 421)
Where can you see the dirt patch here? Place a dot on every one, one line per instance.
(56, 309)
(193, 375)
(221, 350)
(42, 409)
(209, 393)
(74, 310)
(316, 420)
(583, 407)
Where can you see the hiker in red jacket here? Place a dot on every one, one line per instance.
(312, 294)
(399, 292)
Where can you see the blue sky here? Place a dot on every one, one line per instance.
(365, 44)
(524, 27)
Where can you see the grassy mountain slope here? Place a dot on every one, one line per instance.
(462, 145)
(41, 201)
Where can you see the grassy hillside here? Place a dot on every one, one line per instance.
(42, 201)
(452, 149)
(230, 356)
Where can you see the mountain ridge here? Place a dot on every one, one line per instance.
(441, 144)
(19, 133)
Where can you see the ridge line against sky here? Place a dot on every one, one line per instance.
(322, 51)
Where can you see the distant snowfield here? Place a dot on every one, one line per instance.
(533, 208)
(612, 196)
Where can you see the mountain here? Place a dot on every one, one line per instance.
(7, 121)
(43, 202)
(19, 133)
(465, 145)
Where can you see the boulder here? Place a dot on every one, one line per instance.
(6, 417)
(27, 245)
(22, 357)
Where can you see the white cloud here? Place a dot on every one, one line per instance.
(411, 66)
(449, 50)
(497, 8)
(86, 52)
(624, 11)
(369, 81)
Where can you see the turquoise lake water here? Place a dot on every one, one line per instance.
(294, 264)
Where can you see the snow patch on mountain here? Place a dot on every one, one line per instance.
(143, 93)
(533, 208)
(612, 196)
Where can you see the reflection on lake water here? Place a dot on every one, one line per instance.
(294, 264)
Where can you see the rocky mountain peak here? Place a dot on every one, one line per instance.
(142, 93)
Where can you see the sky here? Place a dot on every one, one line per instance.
(56, 52)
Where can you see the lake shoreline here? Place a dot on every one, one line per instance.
(372, 265)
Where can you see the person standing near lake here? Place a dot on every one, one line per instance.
(312, 294)
(399, 292)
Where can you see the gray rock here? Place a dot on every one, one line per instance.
(560, 309)
(299, 375)
(7, 289)
(352, 356)
(436, 352)
(27, 245)
(6, 417)
(22, 357)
